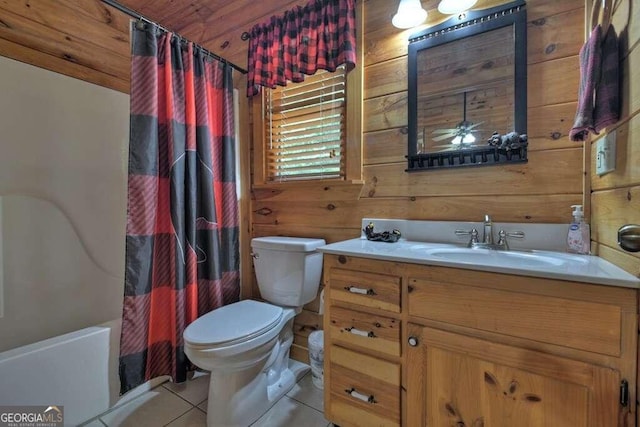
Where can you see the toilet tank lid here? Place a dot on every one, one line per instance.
(293, 244)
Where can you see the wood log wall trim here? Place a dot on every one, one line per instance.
(615, 197)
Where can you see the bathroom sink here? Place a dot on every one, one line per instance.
(535, 259)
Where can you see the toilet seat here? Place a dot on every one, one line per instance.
(233, 324)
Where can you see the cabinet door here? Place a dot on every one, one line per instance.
(456, 380)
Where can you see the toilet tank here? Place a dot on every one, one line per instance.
(288, 269)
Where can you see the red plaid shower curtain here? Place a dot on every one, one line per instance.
(182, 257)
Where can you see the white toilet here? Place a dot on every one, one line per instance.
(246, 345)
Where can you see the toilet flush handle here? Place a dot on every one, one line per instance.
(255, 255)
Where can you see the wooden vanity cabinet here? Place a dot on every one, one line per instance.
(362, 347)
(454, 347)
(503, 350)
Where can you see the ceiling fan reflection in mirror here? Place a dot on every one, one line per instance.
(462, 134)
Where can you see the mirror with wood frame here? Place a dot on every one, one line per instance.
(468, 90)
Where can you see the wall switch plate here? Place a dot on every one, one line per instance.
(606, 154)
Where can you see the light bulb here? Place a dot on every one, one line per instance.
(469, 139)
(457, 140)
(452, 7)
(410, 13)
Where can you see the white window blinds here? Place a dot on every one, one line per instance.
(305, 128)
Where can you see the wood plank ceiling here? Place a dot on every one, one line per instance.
(89, 40)
(218, 24)
(215, 24)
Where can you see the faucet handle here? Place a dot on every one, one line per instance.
(516, 234)
(473, 233)
(502, 235)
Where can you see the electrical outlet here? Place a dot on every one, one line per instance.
(606, 154)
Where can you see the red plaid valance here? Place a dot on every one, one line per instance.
(320, 35)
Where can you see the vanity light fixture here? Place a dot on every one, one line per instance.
(410, 14)
(453, 7)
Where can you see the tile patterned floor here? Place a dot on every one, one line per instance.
(185, 405)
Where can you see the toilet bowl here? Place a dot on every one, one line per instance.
(246, 345)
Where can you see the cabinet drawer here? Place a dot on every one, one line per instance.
(371, 290)
(365, 391)
(370, 331)
(589, 326)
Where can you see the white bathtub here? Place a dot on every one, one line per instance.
(78, 370)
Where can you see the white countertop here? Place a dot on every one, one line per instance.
(580, 268)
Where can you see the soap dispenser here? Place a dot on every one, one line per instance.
(579, 235)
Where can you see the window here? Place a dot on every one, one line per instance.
(305, 128)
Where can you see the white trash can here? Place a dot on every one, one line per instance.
(316, 357)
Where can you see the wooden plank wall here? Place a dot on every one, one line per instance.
(539, 191)
(615, 200)
(84, 39)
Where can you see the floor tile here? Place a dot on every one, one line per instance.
(157, 407)
(305, 392)
(193, 418)
(289, 413)
(193, 391)
(299, 369)
(203, 406)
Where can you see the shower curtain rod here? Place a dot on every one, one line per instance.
(136, 15)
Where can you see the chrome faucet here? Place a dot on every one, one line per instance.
(487, 238)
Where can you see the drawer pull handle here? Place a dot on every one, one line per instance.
(354, 393)
(361, 291)
(360, 332)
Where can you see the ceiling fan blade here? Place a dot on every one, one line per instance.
(474, 125)
(445, 131)
(443, 137)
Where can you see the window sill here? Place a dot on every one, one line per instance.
(309, 183)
